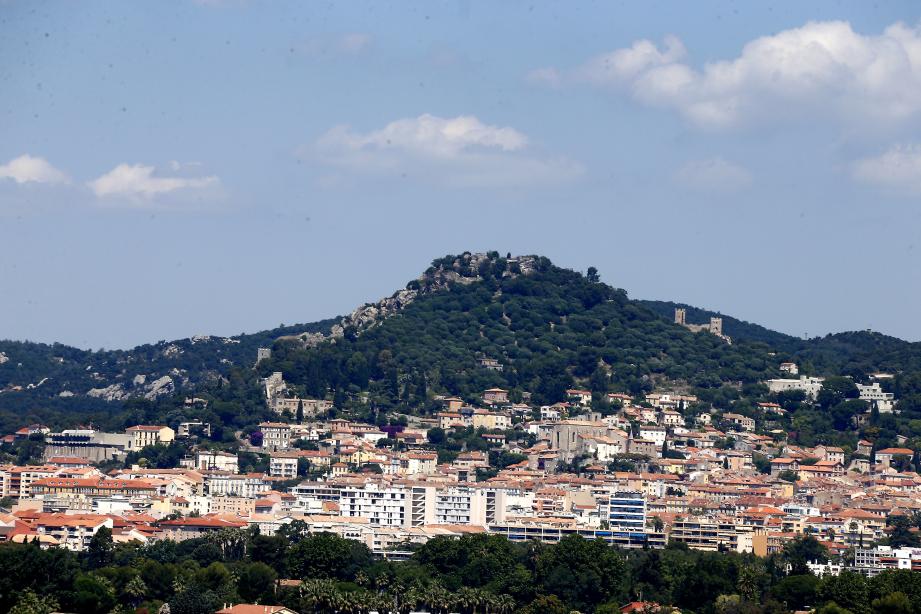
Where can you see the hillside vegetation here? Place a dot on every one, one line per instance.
(550, 329)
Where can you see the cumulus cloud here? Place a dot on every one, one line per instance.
(460, 151)
(137, 181)
(821, 68)
(31, 169)
(713, 174)
(897, 169)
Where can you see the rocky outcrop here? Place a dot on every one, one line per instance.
(115, 392)
(463, 269)
(159, 387)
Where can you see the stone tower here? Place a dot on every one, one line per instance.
(680, 316)
(716, 326)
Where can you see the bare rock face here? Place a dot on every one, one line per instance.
(159, 387)
(464, 269)
(115, 392)
(172, 350)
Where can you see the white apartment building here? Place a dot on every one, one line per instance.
(249, 485)
(810, 385)
(873, 560)
(457, 505)
(381, 506)
(215, 460)
(874, 396)
(653, 433)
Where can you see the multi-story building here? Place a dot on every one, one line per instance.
(627, 512)
(565, 436)
(192, 527)
(283, 465)
(21, 479)
(250, 485)
(143, 435)
(657, 434)
(71, 531)
(872, 561)
(743, 422)
(95, 446)
(873, 394)
(95, 487)
(495, 396)
(216, 460)
(381, 505)
(455, 505)
(275, 435)
(552, 533)
(810, 385)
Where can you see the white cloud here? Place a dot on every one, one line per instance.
(460, 152)
(898, 169)
(26, 168)
(137, 181)
(713, 174)
(820, 69)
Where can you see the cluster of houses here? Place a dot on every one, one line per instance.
(653, 469)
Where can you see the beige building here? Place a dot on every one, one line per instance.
(275, 435)
(283, 466)
(143, 435)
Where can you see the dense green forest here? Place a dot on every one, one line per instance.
(475, 573)
(549, 329)
(854, 353)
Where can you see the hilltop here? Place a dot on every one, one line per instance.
(473, 321)
(469, 322)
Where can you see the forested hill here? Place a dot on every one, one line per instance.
(549, 328)
(151, 370)
(854, 353)
(733, 327)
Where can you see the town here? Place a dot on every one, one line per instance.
(645, 472)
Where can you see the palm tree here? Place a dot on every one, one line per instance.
(413, 597)
(466, 599)
(317, 594)
(505, 604)
(136, 589)
(485, 600)
(436, 597)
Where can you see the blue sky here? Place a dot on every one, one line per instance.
(175, 168)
